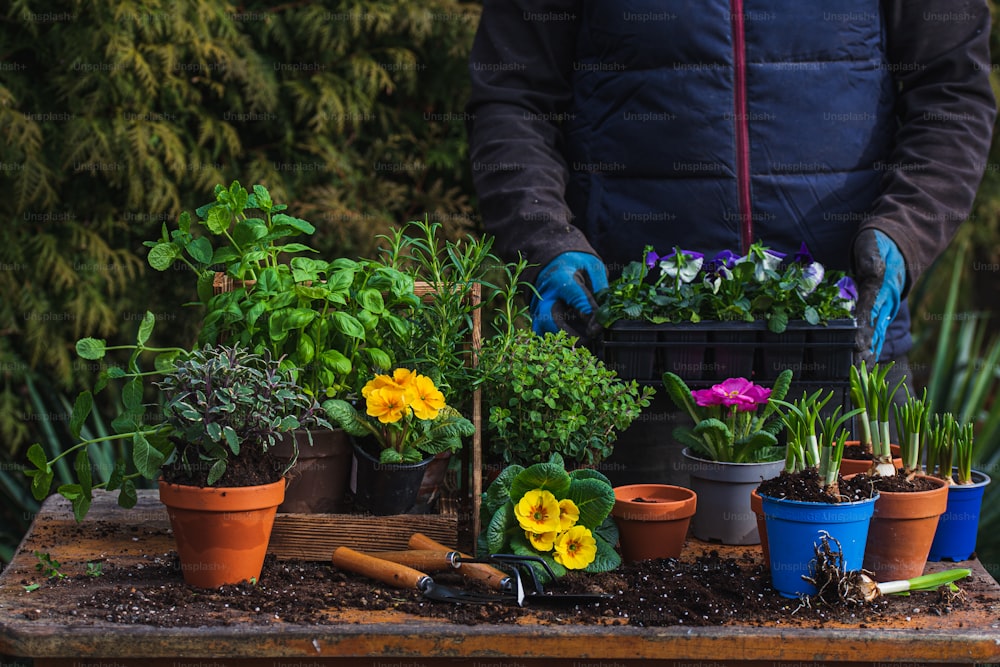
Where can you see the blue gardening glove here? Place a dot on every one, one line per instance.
(565, 299)
(880, 275)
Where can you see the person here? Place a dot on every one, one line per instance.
(860, 127)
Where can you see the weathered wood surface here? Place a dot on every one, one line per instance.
(131, 538)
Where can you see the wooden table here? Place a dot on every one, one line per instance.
(33, 625)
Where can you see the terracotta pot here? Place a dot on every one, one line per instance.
(653, 519)
(221, 532)
(757, 507)
(317, 483)
(902, 531)
(854, 466)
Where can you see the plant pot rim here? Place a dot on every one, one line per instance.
(817, 505)
(694, 457)
(680, 502)
(222, 498)
(983, 480)
(361, 451)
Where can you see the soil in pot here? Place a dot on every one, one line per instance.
(857, 460)
(903, 525)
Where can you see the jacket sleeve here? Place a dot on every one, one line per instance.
(939, 50)
(521, 66)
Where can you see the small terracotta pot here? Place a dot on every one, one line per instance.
(902, 531)
(854, 466)
(653, 519)
(221, 532)
(757, 507)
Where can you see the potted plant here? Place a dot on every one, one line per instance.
(223, 410)
(407, 424)
(870, 393)
(331, 323)
(809, 499)
(544, 511)
(950, 452)
(729, 316)
(731, 446)
(464, 289)
(549, 395)
(909, 504)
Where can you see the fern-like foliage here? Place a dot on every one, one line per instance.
(116, 115)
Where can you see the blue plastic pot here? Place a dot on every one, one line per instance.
(794, 529)
(955, 538)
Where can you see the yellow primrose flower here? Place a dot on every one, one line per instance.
(569, 514)
(542, 541)
(426, 399)
(404, 376)
(386, 403)
(576, 548)
(538, 511)
(378, 382)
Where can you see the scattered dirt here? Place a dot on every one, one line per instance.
(708, 590)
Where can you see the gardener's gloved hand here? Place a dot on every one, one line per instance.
(880, 275)
(565, 299)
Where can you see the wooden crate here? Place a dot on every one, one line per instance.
(315, 536)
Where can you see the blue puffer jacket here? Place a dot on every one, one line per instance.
(604, 125)
(761, 156)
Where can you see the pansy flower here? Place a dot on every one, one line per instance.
(682, 264)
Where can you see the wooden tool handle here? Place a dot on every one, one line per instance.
(487, 574)
(425, 560)
(385, 571)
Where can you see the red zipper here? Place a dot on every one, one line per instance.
(741, 124)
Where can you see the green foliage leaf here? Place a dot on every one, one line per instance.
(146, 458)
(161, 256)
(91, 348)
(200, 250)
(82, 468)
(347, 325)
(606, 559)
(218, 220)
(379, 358)
(132, 395)
(216, 472)
(128, 497)
(496, 530)
(593, 498)
(42, 476)
(346, 417)
(548, 476)
(81, 410)
(145, 328)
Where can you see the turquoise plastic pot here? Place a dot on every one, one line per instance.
(794, 528)
(955, 538)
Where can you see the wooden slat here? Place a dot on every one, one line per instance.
(315, 536)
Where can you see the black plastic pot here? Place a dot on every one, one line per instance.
(385, 488)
